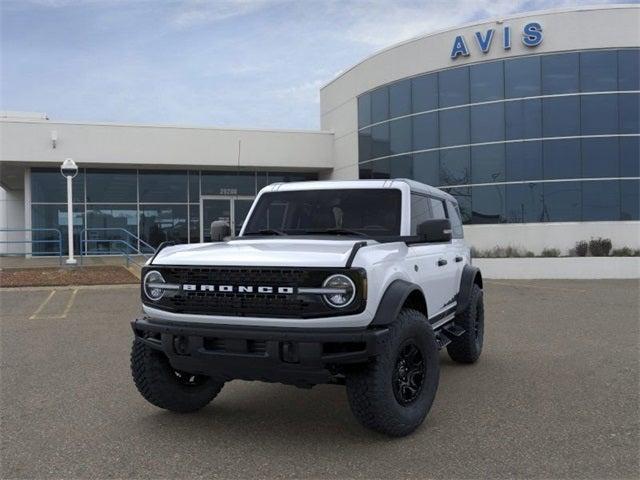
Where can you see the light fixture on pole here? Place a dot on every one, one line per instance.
(69, 169)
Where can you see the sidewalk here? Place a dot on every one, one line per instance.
(19, 261)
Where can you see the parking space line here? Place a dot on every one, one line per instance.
(42, 305)
(69, 303)
(67, 308)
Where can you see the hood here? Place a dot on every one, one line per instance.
(267, 252)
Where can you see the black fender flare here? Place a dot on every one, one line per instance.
(392, 301)
(470, 275)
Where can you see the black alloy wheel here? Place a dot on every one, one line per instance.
(408, 374)
(189, 379)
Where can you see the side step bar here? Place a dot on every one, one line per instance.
(442, 340)
(446, 330)
(453, 329)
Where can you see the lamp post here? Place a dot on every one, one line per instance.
(69, 169)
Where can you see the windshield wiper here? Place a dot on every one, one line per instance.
(267, 231)
(337, 231)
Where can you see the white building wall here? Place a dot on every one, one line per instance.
(574, 268)
(343, 122)
(29, 141)
(11, 217)
(538, 236)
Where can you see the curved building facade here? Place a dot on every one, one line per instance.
(528, 120)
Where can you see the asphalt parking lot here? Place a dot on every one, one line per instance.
(555, 395)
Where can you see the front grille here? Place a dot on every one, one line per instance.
(238, 276)
(252, 304)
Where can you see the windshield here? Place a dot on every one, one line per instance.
(359, 212)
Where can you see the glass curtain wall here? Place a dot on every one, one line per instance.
(118, 205)
(545, 138)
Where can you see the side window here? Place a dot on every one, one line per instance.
(420, 211)
(456, 222)
(437, 207)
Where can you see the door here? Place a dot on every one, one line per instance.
(446, 258)
(434, 271)
(432, 264)
(461, 249)
(228, 209)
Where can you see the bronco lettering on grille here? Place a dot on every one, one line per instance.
(237, 289)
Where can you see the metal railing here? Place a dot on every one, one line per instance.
(131, 245)
(31, 241)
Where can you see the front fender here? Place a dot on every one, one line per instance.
(392, 301)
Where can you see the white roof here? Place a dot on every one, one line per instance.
(350, 184)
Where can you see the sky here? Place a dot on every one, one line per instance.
(227, 63)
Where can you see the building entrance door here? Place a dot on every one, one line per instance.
(232, 210)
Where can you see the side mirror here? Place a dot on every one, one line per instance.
(436, 230)
(219, 230)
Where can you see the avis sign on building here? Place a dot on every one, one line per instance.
(531, 36)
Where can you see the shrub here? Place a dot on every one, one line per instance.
(625, 252)
(581, 248)
(502, 252)
(600, 247)
(495, 252)
(517, 252)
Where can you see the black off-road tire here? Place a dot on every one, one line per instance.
(372, 388)
(468, 347)
(161, 385)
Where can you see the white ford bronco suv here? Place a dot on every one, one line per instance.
(358, 283)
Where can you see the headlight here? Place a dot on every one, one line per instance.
(343, 291)
(153, 284)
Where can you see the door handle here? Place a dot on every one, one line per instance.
(459, 259)
(442, 262)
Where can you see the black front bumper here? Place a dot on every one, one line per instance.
(300, 357)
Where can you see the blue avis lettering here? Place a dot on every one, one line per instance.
(459, 47)
(531, 37)
(485, 42)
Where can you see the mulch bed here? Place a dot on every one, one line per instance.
(54, 276)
